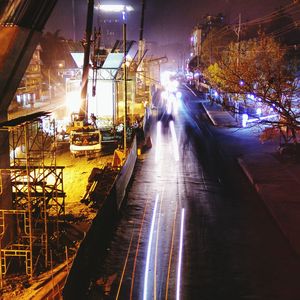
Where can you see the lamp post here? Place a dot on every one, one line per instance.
(120, 8)
(125, 88)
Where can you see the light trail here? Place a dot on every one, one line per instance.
(158, 142)
(149, 250)
(156, 246)
(180, 256)
(174, 141)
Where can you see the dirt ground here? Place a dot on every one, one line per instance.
(75, 178)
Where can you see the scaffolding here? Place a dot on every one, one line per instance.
(37, 193)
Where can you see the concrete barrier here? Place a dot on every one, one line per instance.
(125, 174)
(93, 246)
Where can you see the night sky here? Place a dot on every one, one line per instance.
(166, 21)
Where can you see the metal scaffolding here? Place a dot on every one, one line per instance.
(37, 190)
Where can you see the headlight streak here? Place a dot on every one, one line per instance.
(149, 250)
(174, 141)
(158, 142)
(180, 255)
(156, 246)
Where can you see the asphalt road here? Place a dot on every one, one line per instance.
(192, 227)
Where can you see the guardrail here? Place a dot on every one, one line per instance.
(97, 239)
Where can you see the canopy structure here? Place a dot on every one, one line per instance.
(111, 66)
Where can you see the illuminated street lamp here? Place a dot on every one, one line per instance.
(117, 8)
(121, 8)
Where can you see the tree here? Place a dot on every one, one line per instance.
(259, 67)
(214, 43)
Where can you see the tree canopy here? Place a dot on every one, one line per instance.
(259, 67)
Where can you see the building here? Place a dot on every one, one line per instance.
(30, 87)
(198, 36)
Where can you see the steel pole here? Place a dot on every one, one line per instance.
(125, 89)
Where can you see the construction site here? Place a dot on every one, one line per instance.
(48, 197)
(38, 198)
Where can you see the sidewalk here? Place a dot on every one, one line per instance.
(277, 183)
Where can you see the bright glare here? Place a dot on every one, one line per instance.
(178, 95)
(158, 142)
(73, 102)
(174, 141)
(165, 78)
(244, 120)
(102, 104)
(164, 95)
(172, 86)
(258, 111)
(115, 7)
(169, 106)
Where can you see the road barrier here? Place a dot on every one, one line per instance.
(94, 245)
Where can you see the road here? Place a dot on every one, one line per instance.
(192, 226)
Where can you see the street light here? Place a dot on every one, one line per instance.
(114, 8)
(121, 8)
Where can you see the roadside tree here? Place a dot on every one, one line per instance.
(258, 67)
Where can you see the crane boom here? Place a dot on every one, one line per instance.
(86, 66)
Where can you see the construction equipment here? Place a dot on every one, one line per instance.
(85, 138)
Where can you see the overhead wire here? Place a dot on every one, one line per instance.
(290, 9)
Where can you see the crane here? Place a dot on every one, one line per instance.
(85, 137)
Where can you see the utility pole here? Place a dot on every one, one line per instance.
(141, 39)
(125, 89)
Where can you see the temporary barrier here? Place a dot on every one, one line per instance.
(98, 237)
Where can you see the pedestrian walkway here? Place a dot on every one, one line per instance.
(218, 116)
(276, 181)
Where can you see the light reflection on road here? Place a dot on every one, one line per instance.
(158, 142)
(165, 252)
(174, 141)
